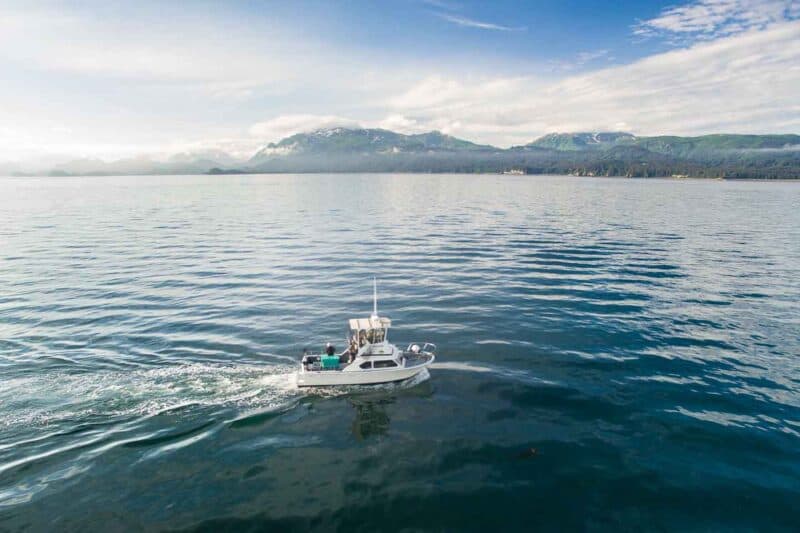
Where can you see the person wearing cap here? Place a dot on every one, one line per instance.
(329, 349)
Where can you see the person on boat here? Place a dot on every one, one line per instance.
(329, 349)
(353, 350)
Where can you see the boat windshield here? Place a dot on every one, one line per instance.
(371, 336)
(376, 335)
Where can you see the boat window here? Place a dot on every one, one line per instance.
(368, 364)
(385, 364)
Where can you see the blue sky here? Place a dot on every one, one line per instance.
(114, 79)
(504, 32)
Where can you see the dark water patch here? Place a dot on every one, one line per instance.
(568, 258)
(709, 301)
(607, 499)
(260, 417)
(651, 266)
(682, 342)
(748, 295)
(650, 273)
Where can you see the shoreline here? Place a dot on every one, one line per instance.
(219, 174)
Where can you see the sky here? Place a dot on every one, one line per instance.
(120, 79)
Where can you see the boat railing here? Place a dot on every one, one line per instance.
(423, 348)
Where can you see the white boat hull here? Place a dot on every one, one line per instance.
(322, 378)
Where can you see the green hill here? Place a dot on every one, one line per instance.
(583, 153)
(347, 141)
(667, 144)
(723, 142)
(580, 141)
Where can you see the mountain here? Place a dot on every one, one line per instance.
(670, 145)
(583, 153)
(378, 150)
(580, 141)
(720, 143)
(9, 168)
(180, 164)
(347, 141)
(219, 157)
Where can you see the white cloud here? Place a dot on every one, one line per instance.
(582, 59)
(286, 125)
(401, 124)
(225, 59)
(443, 4)
(743, 83)
(452, 94)
(585, 57)
(709, 19)
(472, 23)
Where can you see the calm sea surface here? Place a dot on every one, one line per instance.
(614, 354)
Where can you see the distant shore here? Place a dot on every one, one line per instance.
(237, 172)
(356, 150)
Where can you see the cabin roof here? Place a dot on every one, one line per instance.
(358, 324)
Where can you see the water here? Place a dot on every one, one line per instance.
(614, 354)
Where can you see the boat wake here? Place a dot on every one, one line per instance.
(141, 392)
(108, 396)
(499, 371)
(82, 416)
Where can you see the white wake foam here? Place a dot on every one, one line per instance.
(51, 397)
(507, 373)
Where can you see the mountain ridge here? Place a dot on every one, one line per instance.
(363, 140)
(380, 150)
(603, 153)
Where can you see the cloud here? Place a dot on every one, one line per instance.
(175, 47)
(443, 4)
(786, 148)
(582, 59)
(452, 94)
(711, 19)
(743, 83)
(585, 57)
(472, 23)
(401, 124)
(285, 125)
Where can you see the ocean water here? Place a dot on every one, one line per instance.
(613, 354)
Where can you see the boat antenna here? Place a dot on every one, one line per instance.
(374, 297)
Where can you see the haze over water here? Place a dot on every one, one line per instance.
(613, 353)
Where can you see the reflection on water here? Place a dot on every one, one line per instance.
(612, 353)
(371, 418)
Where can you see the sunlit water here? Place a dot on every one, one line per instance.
(613, 353)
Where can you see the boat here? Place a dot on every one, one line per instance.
(369, 358)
